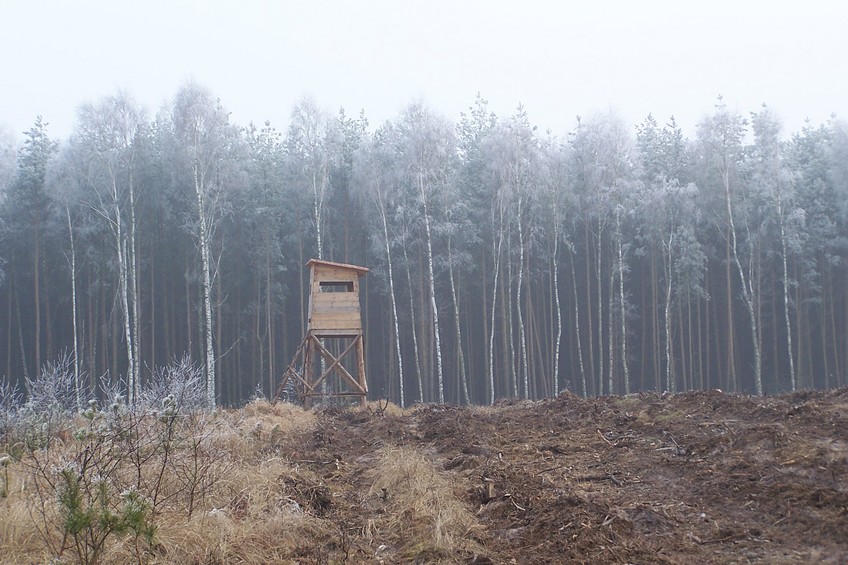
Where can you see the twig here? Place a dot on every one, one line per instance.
(554, 468)
(605, 439)
(515, 503)
(607, 477)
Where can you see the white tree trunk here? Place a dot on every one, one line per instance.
(460, 354)
(382, 211)
(510, 331)
(747, 288)
(610, 326)
(433, 303)
(786, 317)
(521, 333)
(203, 240)
(577, 328)
(555, 269)
(123, 281)
(132, 264)
(622, 303)
(497, 268)
(670, 380)
(414, 328)
(73, 265)
(599, 256)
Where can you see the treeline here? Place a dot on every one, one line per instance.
(506, 262)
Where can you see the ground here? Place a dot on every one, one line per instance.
(698, 477)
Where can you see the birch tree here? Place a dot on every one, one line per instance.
(669, 218)
(816, 265)
(427, 150)
(721, 136)
(109, 132)
(202, 126)
(603, 180)
(376, 177)
(313, 141)
(557, 204)
(773, 180)
(66, 182)
(514, 156)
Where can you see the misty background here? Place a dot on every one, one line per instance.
(557, 59)
(549, 198)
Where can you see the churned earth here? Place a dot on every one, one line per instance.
(697, 477)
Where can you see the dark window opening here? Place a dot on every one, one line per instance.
(335, 286)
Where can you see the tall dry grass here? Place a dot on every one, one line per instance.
(422, 515)
(243, 509)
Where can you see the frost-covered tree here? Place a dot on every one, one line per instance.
(377, 178)
(557, 204)
(721, 136)
(513, 153)
(427, 153)
(28, 209)
(313, 145)
(772, 178)
(474, 132)
(262, 207)
(208, 143)
(108, 134)
(669, 219)
(604, 183)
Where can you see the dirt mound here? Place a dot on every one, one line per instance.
(699, 476)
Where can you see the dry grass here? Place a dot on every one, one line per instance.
(379, 407)
(244, 510)
(260, 504)
(19, 539)
(422, 515)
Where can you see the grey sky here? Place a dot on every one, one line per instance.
(559, 59)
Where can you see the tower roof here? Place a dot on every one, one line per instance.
(361, 271)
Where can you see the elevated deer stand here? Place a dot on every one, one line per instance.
(335, 322)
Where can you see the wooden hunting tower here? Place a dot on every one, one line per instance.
(335, 325)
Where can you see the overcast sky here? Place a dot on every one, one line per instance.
(558, 58)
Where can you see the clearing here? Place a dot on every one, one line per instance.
(696, 477)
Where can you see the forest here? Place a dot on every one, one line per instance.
(505, 261)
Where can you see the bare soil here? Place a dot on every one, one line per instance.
(698, 477)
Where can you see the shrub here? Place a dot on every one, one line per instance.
(53, 392)
(182, 381)
(10, 402)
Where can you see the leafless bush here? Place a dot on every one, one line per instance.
(182, 381)
(113, 391)
(53, 393)
(10, 403)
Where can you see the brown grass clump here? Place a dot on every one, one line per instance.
(250, 433)
(268, 422)
(379, 407)
(422, 515)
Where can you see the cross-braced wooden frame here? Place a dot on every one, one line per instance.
(303, 371)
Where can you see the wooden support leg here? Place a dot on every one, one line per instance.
(360, 360)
